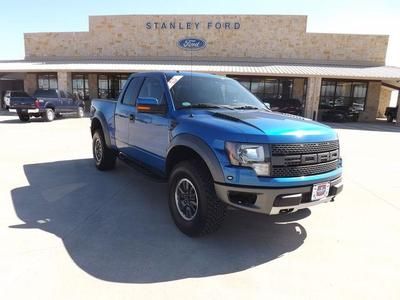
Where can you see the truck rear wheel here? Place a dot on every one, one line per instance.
(49, 115)
(103, 156)
(193, 203)
(23, 117)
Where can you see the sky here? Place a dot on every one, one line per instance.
(363, 17)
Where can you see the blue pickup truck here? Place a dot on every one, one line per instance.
(47, 104)
(217, 145)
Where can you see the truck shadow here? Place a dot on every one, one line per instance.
(116, 226)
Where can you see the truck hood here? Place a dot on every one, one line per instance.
(277, 127)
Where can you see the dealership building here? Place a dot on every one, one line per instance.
(273, 56)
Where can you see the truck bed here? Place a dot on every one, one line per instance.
(22, 102)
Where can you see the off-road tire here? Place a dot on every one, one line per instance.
(211, 210)
(24, 117)
(106, 160)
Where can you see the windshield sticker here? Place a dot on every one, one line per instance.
(174, 80)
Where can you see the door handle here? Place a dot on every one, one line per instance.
(131, 117)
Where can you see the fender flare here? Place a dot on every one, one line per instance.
(50, 105)
(203, 150)
(100, 117)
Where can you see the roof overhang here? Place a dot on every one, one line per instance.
(382, 73)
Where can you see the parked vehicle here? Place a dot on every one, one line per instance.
(391, 113)
(13, 94)
(341, 114)
(47, 104)
(289, 106)
(217, 145)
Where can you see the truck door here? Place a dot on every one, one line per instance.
(150, 131)
(63, 102)
(125, 113)
(72, 104)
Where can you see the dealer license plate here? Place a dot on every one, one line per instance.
(320, 191)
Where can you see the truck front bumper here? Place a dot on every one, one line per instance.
(273, 201)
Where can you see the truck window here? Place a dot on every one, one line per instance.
(212, 90)
(132, 91)
(46, 94)
(152, 88)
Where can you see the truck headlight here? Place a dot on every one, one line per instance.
(252, 156)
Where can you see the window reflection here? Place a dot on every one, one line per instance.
(47, 81)
(283, 94)
(80, 86)
(335, 93)
(111, 85)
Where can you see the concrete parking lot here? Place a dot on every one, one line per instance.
(68, 231)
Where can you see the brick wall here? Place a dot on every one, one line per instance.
(259, 37)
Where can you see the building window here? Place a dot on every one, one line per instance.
(47, 81)
(267, 88)
(80, 86)
(111, 85)
(283, 94)
(335, 93)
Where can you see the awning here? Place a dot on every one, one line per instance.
(235, 68)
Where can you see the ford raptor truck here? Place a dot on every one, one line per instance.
(217, 145)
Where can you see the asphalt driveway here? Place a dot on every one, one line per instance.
(68, 231)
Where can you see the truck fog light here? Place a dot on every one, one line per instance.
(263, 169)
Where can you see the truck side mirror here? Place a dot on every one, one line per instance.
(150, 105)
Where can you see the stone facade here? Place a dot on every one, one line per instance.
(228, 37)
(30, 83)
(372, 102)
(64, 80)
(312, 98)
(384, 101)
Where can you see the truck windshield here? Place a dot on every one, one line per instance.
(211, 92)
(46, 94)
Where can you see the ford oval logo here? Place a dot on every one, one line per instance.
(192, 44)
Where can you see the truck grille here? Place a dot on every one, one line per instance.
(294, 160)
(307, 170)
(287, 149)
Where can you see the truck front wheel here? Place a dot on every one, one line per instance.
(103, 156)
(193, 203)
(389, 118)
